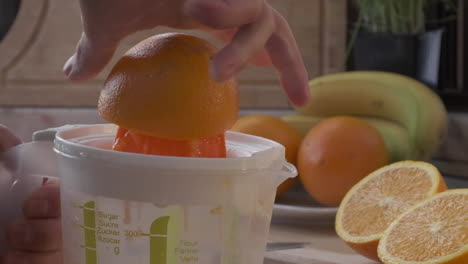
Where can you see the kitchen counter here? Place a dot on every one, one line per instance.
(324, 246)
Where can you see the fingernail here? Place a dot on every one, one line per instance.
(21, 235)
(37, 208)
(67, 68)
(303, 100)
(214, 73)
(221, 74)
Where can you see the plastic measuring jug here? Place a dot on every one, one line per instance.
(125, 208)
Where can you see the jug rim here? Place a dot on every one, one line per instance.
(259, 153)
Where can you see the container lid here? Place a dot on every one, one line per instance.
(92, 142)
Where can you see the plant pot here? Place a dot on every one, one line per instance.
(416, 56)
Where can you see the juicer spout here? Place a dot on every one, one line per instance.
(287, 171)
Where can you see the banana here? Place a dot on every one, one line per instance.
(383, 95)
(302, 123)
(395, 136)
(432, 127)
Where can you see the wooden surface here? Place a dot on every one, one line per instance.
(333, 35)
(45, 33)
(324, 247)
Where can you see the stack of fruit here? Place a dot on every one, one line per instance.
(409, 115)
(362, 144)
(355, 123)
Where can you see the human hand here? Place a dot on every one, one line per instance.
(37, 238)
(253, 30)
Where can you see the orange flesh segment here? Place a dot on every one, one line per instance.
(371, 212)
(131, 141)
(431, 231)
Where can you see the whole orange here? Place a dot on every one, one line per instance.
(275, 129)
(336, 154)
(162, 87)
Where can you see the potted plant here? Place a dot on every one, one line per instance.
(402, 36)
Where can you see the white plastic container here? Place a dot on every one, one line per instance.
(121, 208)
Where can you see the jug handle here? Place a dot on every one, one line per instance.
(36, 158)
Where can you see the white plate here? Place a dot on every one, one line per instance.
(297, 207)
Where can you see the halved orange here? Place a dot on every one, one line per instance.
(377, 200)
(162, 87)
(434, 231)
(164, 101)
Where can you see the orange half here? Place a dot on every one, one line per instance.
(377, 200)
(432, 232)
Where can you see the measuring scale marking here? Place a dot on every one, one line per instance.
(89, 228)
(158, 240)
(158, 236)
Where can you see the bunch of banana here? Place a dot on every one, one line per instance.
(396, 137)
(409, 115)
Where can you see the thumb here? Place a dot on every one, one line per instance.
(90, 57)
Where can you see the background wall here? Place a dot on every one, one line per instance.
(45, 33)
